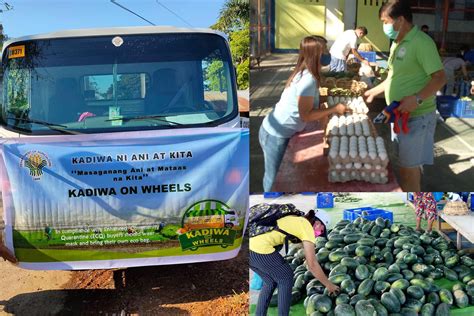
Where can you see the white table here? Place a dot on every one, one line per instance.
(464, 226)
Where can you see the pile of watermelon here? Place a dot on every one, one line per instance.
(382, 269)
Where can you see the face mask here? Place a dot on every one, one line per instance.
(390, 31)
(325, 59)
(318, 232)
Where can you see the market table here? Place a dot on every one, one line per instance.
(463, 224)
(305, 168)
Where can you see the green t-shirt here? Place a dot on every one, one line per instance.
(411, 63)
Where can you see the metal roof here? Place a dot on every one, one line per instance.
(132, 30)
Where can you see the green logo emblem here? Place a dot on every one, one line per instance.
(208, 223)
(35, 161)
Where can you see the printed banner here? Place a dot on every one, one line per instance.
(125, 199)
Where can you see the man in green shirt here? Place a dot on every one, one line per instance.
(415, 74)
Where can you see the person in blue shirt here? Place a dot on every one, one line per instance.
(299, 104)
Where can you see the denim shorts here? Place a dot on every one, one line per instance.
(416, 148)
(337, 65)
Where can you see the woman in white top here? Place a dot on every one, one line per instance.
(451, 65)
(299, 104)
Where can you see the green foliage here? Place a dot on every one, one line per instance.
(239, 44)
(233, 16)
(243, 74)
(214, 74)
(17, 90)
(234, 20)
(170, 231)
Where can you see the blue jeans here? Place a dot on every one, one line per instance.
(337, 65)
(273, 150)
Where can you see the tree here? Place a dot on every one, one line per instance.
(234, 20)
(234, 16)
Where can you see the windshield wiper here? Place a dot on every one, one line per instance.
(144, 118)
(55, 127)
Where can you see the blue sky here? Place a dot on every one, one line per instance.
(43, 16)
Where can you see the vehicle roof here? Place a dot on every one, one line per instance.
(130, 30)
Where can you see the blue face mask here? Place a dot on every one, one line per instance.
(390, 31)
(325, 59)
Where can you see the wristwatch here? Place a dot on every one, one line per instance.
(419, 100)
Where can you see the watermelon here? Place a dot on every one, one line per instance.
(348, 286)
(410, 258)
(415, 291)
(394, 268)
(342, 299)
(295, 297)
(338, 269)
(344, 310)
(379, 308)
(418, 250)
(451, 261)
(322, 303)
(461, 298)
(450, 274)
(380, 274)
(428, 310)
(424, 284)
(365, 287)
(363, 251)
(356, 298)
(433, 298)
(351, 263)
(392, 277)
(421, 268)
(399, 294)
(364, 308)
(395, 228)
(390, 302)
(414, 304)
(338, 278)
(352, 238)
(362, 272)
(381, 287)
(442, 310)
(467, 261)
(375, 231)
(401, 284)
(336, 256)
(408, 311)
(446, 296)
(322, 255)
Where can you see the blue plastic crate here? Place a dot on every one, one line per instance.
(325, 200)
(446, 105)
(464, 109)
(352, 214)
(269, 195)
(370, 56)
(438, 196)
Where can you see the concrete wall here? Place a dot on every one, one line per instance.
(334, 19)
(368, 16)
(295, 19)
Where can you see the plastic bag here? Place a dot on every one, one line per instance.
(256, 283)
